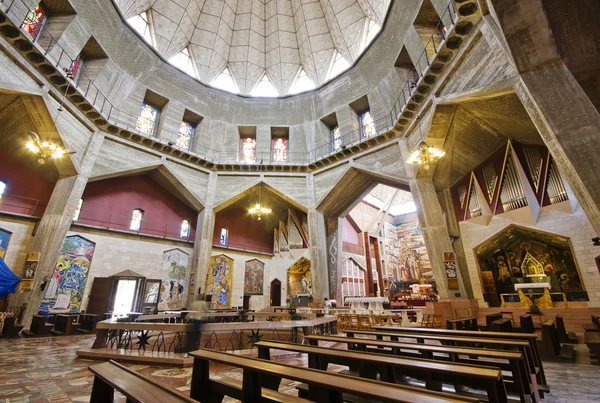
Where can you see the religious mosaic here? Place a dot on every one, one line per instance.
(172, 287)
(248, 150)
(184, 137)
(64, 290)
(367, 125)
(35, 21)
(4, 240)
(218, 285)
(299, 278)
(146, 121)
(253, 277)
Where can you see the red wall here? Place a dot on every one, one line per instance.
(110, 203)
(245, 232)
(24, 182)
(349, 234)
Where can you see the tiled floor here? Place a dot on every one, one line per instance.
(47, 370)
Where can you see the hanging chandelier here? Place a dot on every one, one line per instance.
(425, 155)
(45, 149)
(259, 210)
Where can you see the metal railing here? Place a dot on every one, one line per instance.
(249, 246)
(117, 222)
(18, 11)
(28, 206)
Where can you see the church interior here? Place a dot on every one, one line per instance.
(299, 200)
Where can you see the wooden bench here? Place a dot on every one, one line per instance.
(87, 323)
(502, 325)
(368, 365)
(530, 337)
(594, 326)
(550, 348)
(111, 376)
(462, 323)
(592, 340)
(505, 360)
(10, 329)
(563, 336)
(323, 387)
(64, 325)
(491, 317)
(38, 327)
(526, 323)
(498, 344)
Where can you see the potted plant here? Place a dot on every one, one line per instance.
(534, 309)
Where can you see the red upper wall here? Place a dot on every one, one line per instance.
(245, 232)
(22, 185)
(110, 203)
(349, 233)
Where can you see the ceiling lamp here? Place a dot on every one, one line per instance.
(425, 155)
(45, 149)
(259, 209)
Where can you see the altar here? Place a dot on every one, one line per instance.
(527, 301)
(375, 304)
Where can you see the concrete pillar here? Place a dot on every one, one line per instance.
(317, 242)
(204, 237)
(437, 237)
(53, 228)
(334, 256)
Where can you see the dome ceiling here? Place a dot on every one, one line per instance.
(251, 37)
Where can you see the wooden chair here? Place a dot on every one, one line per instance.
(395, 320)
(431, 320)
(364, 322)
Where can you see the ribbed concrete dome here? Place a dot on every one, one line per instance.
(251, 37)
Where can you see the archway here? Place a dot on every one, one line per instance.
(275, 292)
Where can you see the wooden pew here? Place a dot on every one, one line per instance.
(491, 317)
(10, 329)
(323, 387)
(498, 344)
(502, 325)
(434, 373)
(594, 326)
(592, 340)
(563, 336)
(505, 360)
(526, 323)
(462, 323)
(111, 376)
(530, 337)
(64, 325)
(550, 348)
(88, 323)
(38, 327)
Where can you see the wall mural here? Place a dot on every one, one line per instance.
(218, 284)
(523, 255)
(253, 277)
(4, 240)
(65, 289)
(172, 287)
(406, 255)
(299, 278)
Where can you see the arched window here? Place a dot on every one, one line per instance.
(78, 210)
(136, 219)
(185, 229)
(2, 188)
(224, 238)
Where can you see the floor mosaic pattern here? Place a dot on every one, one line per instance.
(46, 370)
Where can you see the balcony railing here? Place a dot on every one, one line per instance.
(55, 53)
(27, 206)
(116, 222)
(246, 245)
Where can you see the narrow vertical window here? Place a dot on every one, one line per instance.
(75, 69)
(146, 122)
(141, 23)
(34, 21)
(336, 137)
(2, 188)
(224, 239)
(185, 229)
(136, 220)
(248, 150)
(280, 149)
(185, 135)
(367, 125)
(78, 210)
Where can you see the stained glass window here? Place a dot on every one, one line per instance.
(185, 229)
(224, 238)
(280, 150)
(146, 121)
(185, 135)
(75, 69)
(367, 125)
(35, 21)
(183, 61)
(78, 210)
(248, 150)
(336, 137)
(141, 23)
(136, 220)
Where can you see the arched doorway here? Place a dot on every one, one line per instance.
(275, 292)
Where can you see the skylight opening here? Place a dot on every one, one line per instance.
(303, 83)
(339, 66)
(264, 88)
(141, 23)
(372, 31)
(183, 61)
(404, 208)
(225, 82)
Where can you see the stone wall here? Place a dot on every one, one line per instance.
(20, 241)
(576, 226)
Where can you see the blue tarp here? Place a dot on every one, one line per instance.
(8, 280)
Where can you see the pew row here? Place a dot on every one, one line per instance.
(323, 387)
(390, 368)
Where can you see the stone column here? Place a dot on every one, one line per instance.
(334, 255)
(317, 242)
(53, 228)
(437, 237)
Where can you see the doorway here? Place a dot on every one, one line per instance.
(125, 296)
(275, 293)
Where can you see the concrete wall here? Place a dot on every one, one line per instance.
(20, 241)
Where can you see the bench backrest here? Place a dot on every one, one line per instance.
(37, 323)
(468, 333)
(550, 335)
(490, 318)
(526, 322)
(502, 325)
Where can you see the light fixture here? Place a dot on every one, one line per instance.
(259, 209)
(45, 149)
(425, 155)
